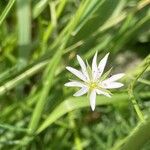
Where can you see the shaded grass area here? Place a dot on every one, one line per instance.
(38, 39)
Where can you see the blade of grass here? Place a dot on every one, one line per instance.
(24, 31)
(21, 77)
(139, 135)
(71, 104)
(92, 7)
(117, 19)
(47, 83)
(6, 11)
(12, 128)
(129, 34)
(50, 27)
(39, 7)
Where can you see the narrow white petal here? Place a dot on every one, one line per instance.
(76, 73)
(112, 85)
(114, 78)
(83, 66)
(103, 93)
(102, 65)
(74, 84)
(94, 66)
(93, 99)
(82, 91)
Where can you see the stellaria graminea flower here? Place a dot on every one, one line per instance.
(92, 81)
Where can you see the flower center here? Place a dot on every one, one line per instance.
(93, 85)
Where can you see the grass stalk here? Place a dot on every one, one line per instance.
(6, 11)
(24, 31)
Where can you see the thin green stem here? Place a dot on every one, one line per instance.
(52, 24)
(131, 92)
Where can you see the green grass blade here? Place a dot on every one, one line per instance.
(24, 31)
(47, 83)
(6, 11)
(71, 104)
(138, 137)
(39, 7)
(20, 78)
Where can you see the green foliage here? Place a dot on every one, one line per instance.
(38, 39)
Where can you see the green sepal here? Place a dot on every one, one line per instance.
(106, 74)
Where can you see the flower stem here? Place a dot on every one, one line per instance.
(131, 91)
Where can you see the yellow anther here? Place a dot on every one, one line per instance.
(93, 85)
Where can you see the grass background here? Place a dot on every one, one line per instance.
(38, 39)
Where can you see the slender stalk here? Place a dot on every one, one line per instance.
(52, 24)
(131, 92)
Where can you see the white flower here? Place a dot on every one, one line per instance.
(92, 80)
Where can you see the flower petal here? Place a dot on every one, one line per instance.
(74, 84)
(114, 78)
(102, 65)
(94, 66)
(103, 93)
(93, 99)
(76, 73)
(112, 85)
(82, 91)
(83, 66)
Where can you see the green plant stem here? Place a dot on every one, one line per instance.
(131, 92)
(51, 26)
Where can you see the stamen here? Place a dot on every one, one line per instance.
(93, 85)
